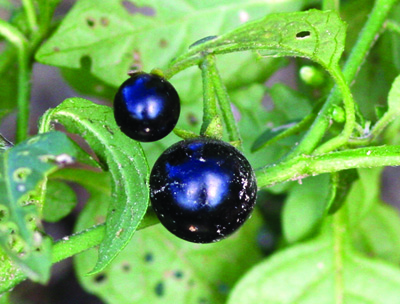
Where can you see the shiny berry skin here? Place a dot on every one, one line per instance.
(202, 189)
(146, 107)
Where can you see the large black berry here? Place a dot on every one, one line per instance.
(146, 107)
(202, 190)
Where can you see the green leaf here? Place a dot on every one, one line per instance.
(341, 184)
(309, 273)
(59, 201)
(117, 38)
(156, 266)
(85, 83)
(91, 180)
(291, 103)
(363, 195)
(23, 169)
(122, 156)
(394, 96)
(316, 35)
(254, 116)
(378, 234)
(5, 299)
(305, 207)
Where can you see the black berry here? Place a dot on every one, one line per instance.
(202, 190)
(146, 107)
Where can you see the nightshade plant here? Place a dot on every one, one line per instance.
(320, 149)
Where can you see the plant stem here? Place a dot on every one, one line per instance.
(182, 65)
(348, 102)
(224, 102)
(393, 26)
(306, 165)
(366, 39)
(30, 14)
(211, 125)
(380, 125)
(14, 36)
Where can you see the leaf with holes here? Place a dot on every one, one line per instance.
(319, 272)
(316, 35)
(22, 171)
(158, 267)
(122, 156)
(115, 34)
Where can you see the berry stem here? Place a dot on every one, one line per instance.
(224, 102)
(211, 121)
(368, 36)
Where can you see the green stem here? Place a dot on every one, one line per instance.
(224, 102)
(393, 26)
(14, 36)
(182, 65)
(30, 14)
(366, 39)
(348, 102)
(211, 125)
(306, 165)
(377, 129)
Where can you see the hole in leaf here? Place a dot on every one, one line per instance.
(159, 289)
(100, 278)
(3, 213)
(90, 22)
(131, 8)
(126, 267)
(178, 274)
(21, 174)
(149, 257)
(303, 34)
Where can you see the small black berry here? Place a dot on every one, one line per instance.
(202, 189)
(146, 107)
